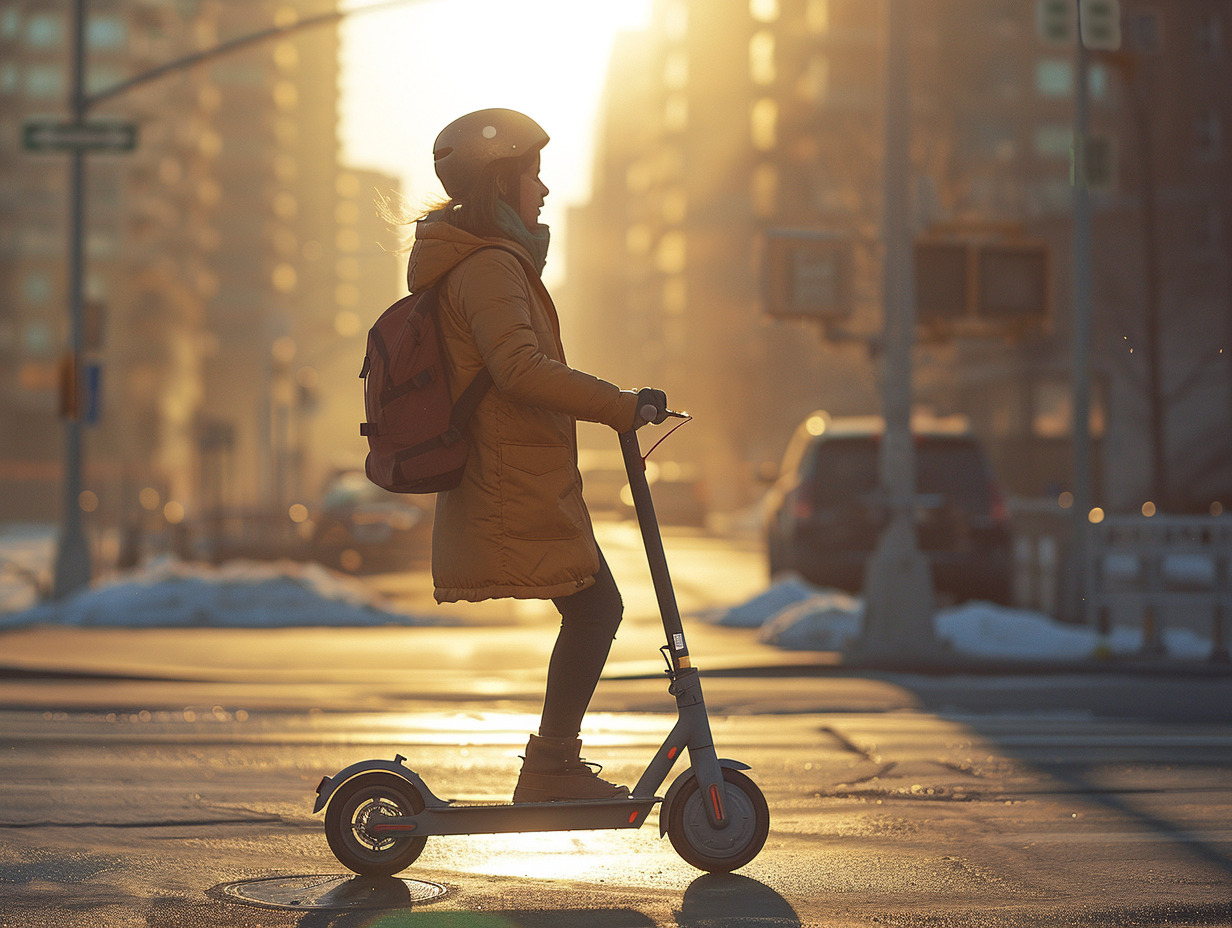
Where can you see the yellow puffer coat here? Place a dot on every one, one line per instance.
(517, 525)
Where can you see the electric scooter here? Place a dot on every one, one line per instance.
(379, 814)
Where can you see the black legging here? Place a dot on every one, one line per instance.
(589, 620)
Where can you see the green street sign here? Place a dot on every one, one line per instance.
(51, 135)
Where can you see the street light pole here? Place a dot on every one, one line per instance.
(1081, 335)
(898, 593)
(72, 552)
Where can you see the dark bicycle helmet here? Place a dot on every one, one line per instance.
(470, 143)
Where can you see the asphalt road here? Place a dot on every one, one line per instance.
(144, 770)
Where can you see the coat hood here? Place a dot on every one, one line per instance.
(440, 246)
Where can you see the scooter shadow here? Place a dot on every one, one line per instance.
(711, 901)
(728, 900)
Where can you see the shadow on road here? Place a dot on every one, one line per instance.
(727, 899)
(1171, 705)
(711, 901)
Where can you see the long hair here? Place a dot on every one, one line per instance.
(473, 211)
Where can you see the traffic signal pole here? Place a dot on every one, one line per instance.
(898, 592)
(1080, 514)
(72, 567)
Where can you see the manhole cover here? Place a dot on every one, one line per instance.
(323, 891)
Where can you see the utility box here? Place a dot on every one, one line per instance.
(807, 275)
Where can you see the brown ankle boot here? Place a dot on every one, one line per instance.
(553, 771)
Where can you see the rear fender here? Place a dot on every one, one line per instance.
(329, 785)
(678, 785)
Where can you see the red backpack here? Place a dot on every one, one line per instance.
(414, 430)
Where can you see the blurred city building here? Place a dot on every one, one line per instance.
(230, 260)
(727, 119)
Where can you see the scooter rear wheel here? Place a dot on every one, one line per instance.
(346, 824)
(719, 850)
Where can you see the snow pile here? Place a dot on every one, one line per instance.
(784, 592)
(26, 554)
(239, 594)
(985, 630)
(827, 620)
(824, 621)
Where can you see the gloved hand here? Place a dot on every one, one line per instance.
(655, 399)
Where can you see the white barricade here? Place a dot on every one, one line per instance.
(1161, 571)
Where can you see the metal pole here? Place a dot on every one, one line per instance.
(898, 607)
(73, 553)
(1081, 338)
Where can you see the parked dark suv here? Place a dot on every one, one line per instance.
(824, 515)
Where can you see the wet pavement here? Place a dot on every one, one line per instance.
(895, 799)
(166, 778)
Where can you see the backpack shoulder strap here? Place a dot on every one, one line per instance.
(468, 402)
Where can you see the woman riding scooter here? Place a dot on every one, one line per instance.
(517, 525)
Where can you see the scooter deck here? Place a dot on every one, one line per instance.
(503, 818)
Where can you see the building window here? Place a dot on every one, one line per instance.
(1209, 142)
(1209, 37)
(37, 339)
(671, 253)
(764, 124)
(676, 113)
(814, 83)
(761, 57)
(676, 21)
(675, 295)
(36, 288)
(994, 139)
(817, 15)
(286, 56)
(1145, 32)
(1054, 77)
(44, 30)
(638, 177)
(10, 22)
(44, 80)
(764, 11)
(675, 206)
(284, 278)
(1097, 81)
(638, 240)
(764, 190)
(106, 32)
(676, 71)
(286, 95)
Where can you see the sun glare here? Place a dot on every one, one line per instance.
(407, 71)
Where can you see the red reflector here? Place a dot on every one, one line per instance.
(672, 752)
(632, 817)
(717, 801)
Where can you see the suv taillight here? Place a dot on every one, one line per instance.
(998, 509)
(802, 509)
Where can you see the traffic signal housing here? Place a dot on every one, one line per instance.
(995, 287)
(807, 275)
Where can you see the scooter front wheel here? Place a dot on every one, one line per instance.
(348, 816)
(719, 850)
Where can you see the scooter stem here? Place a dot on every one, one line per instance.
(635, 468)
(694, 724)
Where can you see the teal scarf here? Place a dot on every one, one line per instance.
(536, 242)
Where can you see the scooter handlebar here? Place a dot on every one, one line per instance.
(650, 413)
